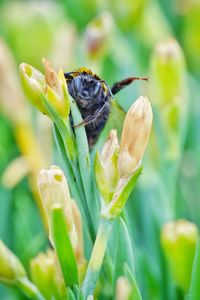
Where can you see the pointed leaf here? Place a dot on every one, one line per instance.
(63, 247)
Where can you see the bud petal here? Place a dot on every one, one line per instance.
(11, 268)
(135, 136)
(179, 239)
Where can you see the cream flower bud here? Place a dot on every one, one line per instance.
(106, 167)
(54, 192)
(179, 239)
(53, 189)
(123, 289)
(135, 136)
(11, 268)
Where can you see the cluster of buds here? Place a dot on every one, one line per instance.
(179, 240)
(52, 86)
(117, 167)
(54, 192)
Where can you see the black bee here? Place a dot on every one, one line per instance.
(93, 96)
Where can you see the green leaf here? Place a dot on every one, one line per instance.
(194, 292)
(135, 293)
(64, 128)
(124, 251)
(67, 167)
(63, 247)
(121, 196)
(70, 295)
(84, 163)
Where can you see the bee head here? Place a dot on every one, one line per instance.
(87, 90)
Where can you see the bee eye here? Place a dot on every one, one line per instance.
(96, 89)
(77, 82)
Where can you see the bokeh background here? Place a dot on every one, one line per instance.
(116, 39)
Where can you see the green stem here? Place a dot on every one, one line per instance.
(97, 256)
(29, 289)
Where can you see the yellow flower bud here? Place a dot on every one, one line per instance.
(11, 268)
(33, 83)
(179, 239)
(135, 136)
(52, 86)
(45, 272)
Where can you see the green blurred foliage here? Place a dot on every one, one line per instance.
(167, 189)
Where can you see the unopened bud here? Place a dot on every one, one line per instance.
(33, 83)
(179, 239)
(106, 171)
(11, 268)
(54, 191)
(123, 289)
(169, 89)
(98, 33)
(135, 136)
(52, 86)
(45, 269)
(12, 102)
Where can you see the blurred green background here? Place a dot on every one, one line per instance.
(115, 39)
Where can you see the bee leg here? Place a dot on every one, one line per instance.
(86, 121)
(121, 84)
(91, 118)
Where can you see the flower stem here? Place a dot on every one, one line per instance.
(97, 256)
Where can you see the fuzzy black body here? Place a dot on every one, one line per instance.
(93, 96)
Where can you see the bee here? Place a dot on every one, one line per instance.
(93, 97)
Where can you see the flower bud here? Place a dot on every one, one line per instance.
(123, 289)
(98, 33)
(45, 272)
(169, 89)
(135, 136)
(12, 102)
(53, 189)
(179, 239)
(52, 86)
(11, 268)
(106, 171)
(33, 83)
